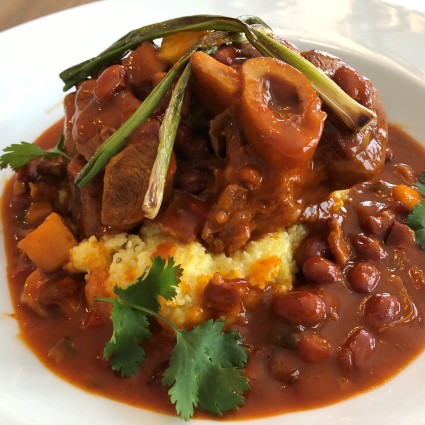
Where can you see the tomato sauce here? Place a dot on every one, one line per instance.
(369, 322)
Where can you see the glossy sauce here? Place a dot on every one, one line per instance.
(284, 376)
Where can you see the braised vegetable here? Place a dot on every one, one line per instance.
(48, 245)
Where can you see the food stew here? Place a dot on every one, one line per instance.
(354, 315)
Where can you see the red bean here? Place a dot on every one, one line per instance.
(313, 349)
(357, 350)
(400, 235)
(348, 79)
(187, 145)
(381, 310)
(300, 308)
(368, 248)
(110, 82)
(223, 294)
(378, 226)
(198, 150)
(389, 155)
(313, 246)
(281, 368)
(320, 270)
(184, 133)
(406, 172)
(363, 277)
(226, 55)
(192, 181)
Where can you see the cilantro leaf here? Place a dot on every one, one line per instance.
(131, 328)
(160, 279)
(421, 184)
(18, 155)
(130, 324)
(206, 365)
(206, 370)
(416, 221)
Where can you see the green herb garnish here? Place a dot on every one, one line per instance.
(117, 141)
(252, 28)
(223, 30)
(167, 134)
(353, 114)
(421, 184)
(206, 365)
(18, 155)
(416, 219)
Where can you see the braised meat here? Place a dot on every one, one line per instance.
(351, 156)
(127, 177)
(255, 149)
(276, 140)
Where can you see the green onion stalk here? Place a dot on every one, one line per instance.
(223, 30)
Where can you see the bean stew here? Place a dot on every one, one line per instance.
(353, 317)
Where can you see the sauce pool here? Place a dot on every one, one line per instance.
(283, 377)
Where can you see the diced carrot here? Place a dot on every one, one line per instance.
(165, 250)
(408, 196)
(263, 271)
(215, 83)
(175, 45)
(49, 244)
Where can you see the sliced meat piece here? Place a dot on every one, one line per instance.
(127, 178)
(94, 122)
(85, 204)
(69, 107)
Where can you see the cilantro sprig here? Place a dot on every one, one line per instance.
(416, 219)
(421, 184)
(18, 155)
(206, 364)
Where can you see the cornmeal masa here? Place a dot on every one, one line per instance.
(122, 258)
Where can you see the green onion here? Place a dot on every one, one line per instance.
(117, 141)
(167, 135)
(352, 113)
(249, 28)
(130, 41)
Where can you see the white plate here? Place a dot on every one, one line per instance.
(382, 39)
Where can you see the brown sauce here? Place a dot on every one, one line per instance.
(280, 377)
